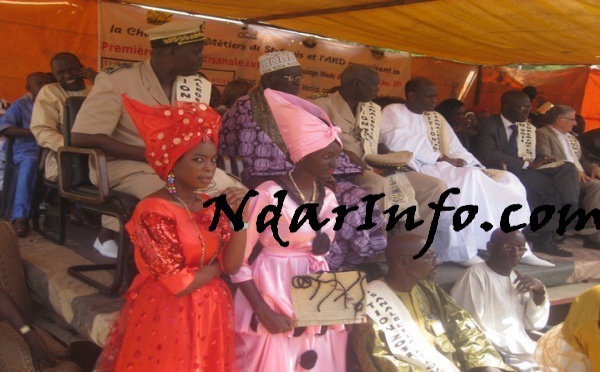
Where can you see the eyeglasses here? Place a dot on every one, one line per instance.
(564, 117)
(427, 256)
(292, 78)
(517, 248)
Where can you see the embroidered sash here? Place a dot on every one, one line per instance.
(261, 112)
(575, 149)
(435, 130)
(401, 191)
(526, 141)
(403, 336)
(369, 115)
(193, 88)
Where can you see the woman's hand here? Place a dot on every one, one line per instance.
(275, 323)
(272, 321)
(235, 196)
(201, 278)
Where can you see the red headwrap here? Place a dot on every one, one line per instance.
(169, 132)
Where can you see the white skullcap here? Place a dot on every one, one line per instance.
(276, 61)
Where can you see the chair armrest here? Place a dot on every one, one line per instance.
(73, 167)
(495, 164)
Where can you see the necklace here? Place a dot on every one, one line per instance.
(300, 194)
(202, 242)
(210, 187)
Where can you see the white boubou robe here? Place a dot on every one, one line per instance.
(491, 190)
(503, 313)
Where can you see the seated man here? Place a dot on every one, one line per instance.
(555, 140)
(47, 116)
(15, 123)
(250, 132)
(503, 301)
(168, 77)
(508, 138)
(438, 153)
(351, 108)
(413, 325)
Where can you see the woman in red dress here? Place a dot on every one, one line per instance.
(179, 313)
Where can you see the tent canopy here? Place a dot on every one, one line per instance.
(489, 32)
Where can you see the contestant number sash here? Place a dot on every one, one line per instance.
(193, 88)
(368, 116)
(403, 336)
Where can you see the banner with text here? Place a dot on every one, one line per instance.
(232, 51)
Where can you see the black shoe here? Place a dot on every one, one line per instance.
(552, 249)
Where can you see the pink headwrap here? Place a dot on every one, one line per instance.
(304, 126)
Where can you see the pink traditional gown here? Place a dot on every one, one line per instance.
(272, 272)
(157, 331)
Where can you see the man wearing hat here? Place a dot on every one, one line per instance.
(249, 131)
(168, 77)
(352, 109)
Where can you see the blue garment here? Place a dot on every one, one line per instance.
(25, 155)
(19, 115)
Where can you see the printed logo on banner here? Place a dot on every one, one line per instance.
(248, 34)
(154, 17)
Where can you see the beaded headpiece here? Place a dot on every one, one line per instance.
(169, 132)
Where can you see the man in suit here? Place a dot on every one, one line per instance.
(556, 140)
(508, 138)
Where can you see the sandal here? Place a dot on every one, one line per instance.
(21, 227)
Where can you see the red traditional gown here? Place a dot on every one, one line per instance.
(157, 331)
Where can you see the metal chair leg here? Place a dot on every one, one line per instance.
(122, 266)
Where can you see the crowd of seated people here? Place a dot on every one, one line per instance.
(162, 148)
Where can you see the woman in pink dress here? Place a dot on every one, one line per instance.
(266, 339)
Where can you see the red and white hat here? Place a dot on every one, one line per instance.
(169, 132)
